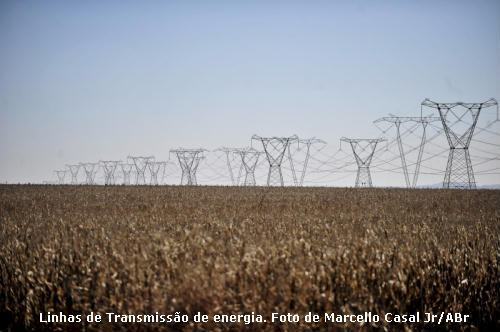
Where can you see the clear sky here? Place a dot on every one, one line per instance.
(90, 80)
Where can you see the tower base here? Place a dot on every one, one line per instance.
(459, 173)
(363, 178)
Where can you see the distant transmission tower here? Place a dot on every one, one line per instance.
(228, 152)
(141, 164)
(90, 172)
(363, 150)
(459, 173)
(154, 169)
(109, 167)
(126, 170)
(275, 148)
(397, 121)
(249, 158)
(61, 174)
(73, 169)
(189, 160)
(308, 142)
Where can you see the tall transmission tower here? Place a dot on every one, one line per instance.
(90, 172)
(73, 169)
(363, 150)
(230, 152)
(459, 173)
(397, 121)
(61, 174)
(275, 149)
(141, 164)
(308, 142)
(189, 160)
(109, 167)
(249, 158)
(154, 169)
(126, 170)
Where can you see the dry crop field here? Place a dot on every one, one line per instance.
(77, 249)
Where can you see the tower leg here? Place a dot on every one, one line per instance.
(249, 179)
(470, 172)
(446, 181)
(140, 179)
(363, 177)
(459, 173)
(189, 178)
(275, 177)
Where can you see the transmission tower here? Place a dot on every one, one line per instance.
(249, 158)
(90, 172)
(275, 148)
(189, 160)
(73, 169)
(154, 169)
(109, 167)
(459, 173)
(230, 152)
(308, 142)
(141, 163)
(61, 174)
(397, 121)
(363, 150)
(126, 170)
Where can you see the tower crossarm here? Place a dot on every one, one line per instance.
(312, 140)
(358, 140)
(488, 103)
(403, 119)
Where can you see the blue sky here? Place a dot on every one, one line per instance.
(90, 80)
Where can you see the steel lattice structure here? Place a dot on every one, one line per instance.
(189, 160)
(249, 158)
(90, 172)
(61, 174)
(275, 149)
(322, 165)
(459, 172)
(109, 167)
(228, 152)
(73, 169)
(308, 142)
(397, 121)
(154, 169)
(141, 164)
(363, 150)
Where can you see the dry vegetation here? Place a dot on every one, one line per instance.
(242, 250)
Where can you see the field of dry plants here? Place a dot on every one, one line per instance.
(77, 249)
